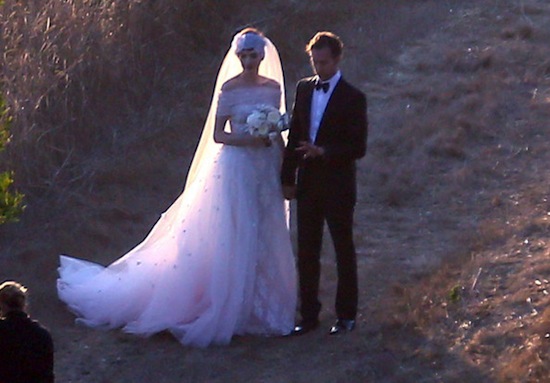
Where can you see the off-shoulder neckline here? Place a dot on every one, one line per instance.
(250, 87)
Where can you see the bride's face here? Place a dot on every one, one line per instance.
(250, 59)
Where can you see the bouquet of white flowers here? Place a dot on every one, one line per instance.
(266, 122)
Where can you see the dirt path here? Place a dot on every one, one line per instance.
(448, 92)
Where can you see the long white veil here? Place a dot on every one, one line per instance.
(231, 66)
(178, 279)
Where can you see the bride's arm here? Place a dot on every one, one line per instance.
(233, 138)
(280, 142)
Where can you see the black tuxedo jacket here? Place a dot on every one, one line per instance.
(342, 134)
(26, 350)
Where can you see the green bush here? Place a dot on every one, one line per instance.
(11, 203)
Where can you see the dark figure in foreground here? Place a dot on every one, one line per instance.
(328, 133)
(26, 348)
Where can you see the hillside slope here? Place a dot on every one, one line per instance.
(451, 224)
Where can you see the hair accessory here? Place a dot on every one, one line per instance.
(250, 41)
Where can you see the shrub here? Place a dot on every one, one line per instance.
(11, 203)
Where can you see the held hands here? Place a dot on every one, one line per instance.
(258, 140)
(266, 141)
(289, 192)
(310, 150)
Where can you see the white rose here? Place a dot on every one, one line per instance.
(273, 117)
(253, 132)
(263, 129)
(254, 119)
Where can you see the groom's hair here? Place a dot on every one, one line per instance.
(326, 39)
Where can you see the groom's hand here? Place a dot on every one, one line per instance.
(310, 150)
(289, 192)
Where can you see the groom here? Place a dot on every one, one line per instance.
(328, 132)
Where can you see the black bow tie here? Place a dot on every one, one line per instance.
(322, 85)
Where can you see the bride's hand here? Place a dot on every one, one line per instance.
(260, 141)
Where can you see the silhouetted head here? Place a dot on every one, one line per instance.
(13, 296)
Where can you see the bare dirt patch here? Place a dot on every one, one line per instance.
(452, 220)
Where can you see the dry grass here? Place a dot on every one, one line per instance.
(82, 77)
(471, 150)
(452, 224)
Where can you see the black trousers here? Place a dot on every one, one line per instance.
(313, 210)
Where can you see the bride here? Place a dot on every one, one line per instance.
(219, 261)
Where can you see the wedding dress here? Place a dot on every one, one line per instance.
(218, 262)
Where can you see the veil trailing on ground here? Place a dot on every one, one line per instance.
(231, 66)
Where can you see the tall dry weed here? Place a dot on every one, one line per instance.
(75, 72)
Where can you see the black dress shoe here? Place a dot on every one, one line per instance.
(341, 326)
(304, 327)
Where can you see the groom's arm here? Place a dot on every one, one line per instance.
(291, 159)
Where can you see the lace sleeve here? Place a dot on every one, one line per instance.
(224, 104)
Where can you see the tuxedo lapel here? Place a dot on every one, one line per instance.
(333, 104)
(307, 104)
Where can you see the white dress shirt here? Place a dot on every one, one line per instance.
(319, 102)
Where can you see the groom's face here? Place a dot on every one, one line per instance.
(324, 63)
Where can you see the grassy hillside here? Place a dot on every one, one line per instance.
(109, 97)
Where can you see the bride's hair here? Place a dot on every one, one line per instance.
(250, 39)
(251, 30)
